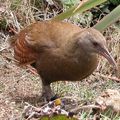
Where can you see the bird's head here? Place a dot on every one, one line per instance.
(92, 41)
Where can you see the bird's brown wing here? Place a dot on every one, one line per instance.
(30, 43)
(22, 52)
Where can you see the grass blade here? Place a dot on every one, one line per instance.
(70, 12)
(108, 19)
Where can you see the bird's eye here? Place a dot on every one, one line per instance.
(95, 43)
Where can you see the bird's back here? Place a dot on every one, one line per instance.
(34, 39)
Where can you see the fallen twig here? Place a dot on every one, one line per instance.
(48, 109)
(85, 107)
(9, 58)
(108, 77)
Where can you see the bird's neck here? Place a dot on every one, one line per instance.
(71, 48)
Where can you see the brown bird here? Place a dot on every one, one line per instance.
(60, 51)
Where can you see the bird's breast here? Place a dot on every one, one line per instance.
(58, 68)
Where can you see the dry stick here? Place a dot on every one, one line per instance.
(27, 108)
(9, 58)
(73, 110)
(31, 69)
(85, 107)
(12, 30)
(108, 77)
(36, 110)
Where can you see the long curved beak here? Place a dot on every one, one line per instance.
(104, 52)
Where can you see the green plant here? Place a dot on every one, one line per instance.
(102, 24)
(79, 9)
(109, 19)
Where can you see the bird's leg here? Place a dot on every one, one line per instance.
(47, 92)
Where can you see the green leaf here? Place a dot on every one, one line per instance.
(108, 19)
(57, 117)
(70, 12)
(115, 2)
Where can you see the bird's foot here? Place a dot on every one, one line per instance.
(47, 93)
